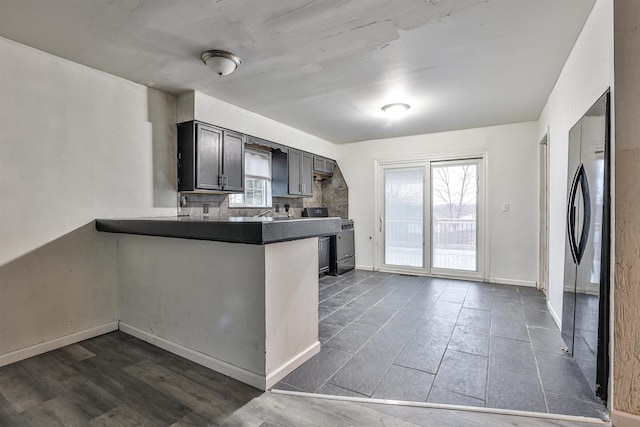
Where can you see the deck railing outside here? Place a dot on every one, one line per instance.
(454, 242)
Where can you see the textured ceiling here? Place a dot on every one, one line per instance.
(325, 67)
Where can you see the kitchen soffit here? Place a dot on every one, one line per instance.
(326, 67)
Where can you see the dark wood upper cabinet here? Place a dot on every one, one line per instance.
(306, 174)
(209, 158)
(233, 161)
(300, 167)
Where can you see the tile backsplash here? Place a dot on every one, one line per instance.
(332, 192)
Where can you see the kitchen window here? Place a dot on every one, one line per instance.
(257, 181)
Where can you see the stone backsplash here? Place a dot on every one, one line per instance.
(331, 192)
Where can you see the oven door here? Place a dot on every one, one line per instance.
(345, 244)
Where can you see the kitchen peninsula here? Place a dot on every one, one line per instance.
(238, 295)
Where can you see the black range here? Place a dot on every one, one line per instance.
(336, 254)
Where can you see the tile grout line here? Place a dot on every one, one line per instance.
(448, 340)
(365, 343)
(351, 300)
(535, 358)
(405, 345)
(347, 303)
(486, 383)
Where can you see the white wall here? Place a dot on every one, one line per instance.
(198, 106)
(247, 311)
(586, 75)
(76, 144)
(511, 153)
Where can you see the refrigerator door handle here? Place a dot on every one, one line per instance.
(571, 215)
(586, 223)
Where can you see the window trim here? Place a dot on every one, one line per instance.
(268, 184)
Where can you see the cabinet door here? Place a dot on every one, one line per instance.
(233, 161)
(306, 174)
(329, 167)
(295, 166)
(319, 164)
(208, 143)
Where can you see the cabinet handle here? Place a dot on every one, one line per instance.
(304, 187)
(220, 180)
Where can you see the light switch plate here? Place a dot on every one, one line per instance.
(505, 207)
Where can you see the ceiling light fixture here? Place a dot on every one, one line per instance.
(395, 110)
(220, 62)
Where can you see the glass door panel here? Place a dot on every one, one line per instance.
(454, 210)
(404, 217)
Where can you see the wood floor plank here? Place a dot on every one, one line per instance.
(56, 412)
(122, 416)
(193, 420)
(73, 353)
(209, 402)
(17, 390)
(146, 400)
(8, 415)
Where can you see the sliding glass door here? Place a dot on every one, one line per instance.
(404, 217)
(454, 215)
(430, 217)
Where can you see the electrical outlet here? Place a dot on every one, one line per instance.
(205, 209)
(505, 207)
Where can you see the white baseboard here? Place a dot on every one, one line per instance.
(516, 282)
(555, 316)
(292, 364)
(240, 374)
(364, 267)
(43, 347)
(439, 274)
(624, 419)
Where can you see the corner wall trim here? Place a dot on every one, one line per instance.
(43, 347)
(555, 316)
(292, 364)
(624, 419)
(240, 374)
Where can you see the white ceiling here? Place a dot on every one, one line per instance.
(325, 66)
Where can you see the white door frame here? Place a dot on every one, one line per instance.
(483, 261)
(480, 215)
(543, 240)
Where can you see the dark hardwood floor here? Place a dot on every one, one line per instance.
(118, 380)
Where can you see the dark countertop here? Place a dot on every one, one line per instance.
(250, 230)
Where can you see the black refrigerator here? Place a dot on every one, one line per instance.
(585, 308)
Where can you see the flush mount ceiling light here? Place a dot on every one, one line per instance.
(221, 62)
(395, 110)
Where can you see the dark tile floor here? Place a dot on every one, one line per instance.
(433, 340)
